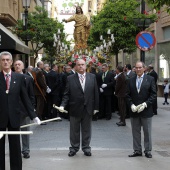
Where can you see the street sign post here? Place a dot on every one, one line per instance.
(145, 40)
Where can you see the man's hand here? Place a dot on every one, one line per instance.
(37, 120)
(101, 90)
(104, 85)
(48, 90)
(95, 111)
(138, 106)
(61, 109)
(142, 107)
(133, 108)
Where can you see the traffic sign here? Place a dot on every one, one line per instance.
(145, 40)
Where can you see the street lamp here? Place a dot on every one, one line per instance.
(26, 5)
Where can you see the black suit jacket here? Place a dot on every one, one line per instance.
(53, 79)
(9, 103)
(109, 80)
(147, 94)
(30, 91)
(121, 86)
(77, 99)
(154, 75)
(131, 74)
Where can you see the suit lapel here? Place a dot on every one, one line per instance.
(87, 82)
(76, 77)
(2, 81)
(134, 82)
(143, 82)
(13, 81)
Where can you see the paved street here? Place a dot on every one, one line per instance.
(110, 146)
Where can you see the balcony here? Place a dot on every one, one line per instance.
(7, 20)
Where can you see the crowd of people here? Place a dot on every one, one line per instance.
(86, 95)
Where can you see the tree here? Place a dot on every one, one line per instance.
(40, 30)
(119, 17)
(157, 4)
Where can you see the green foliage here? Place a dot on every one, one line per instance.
(40, 31)
(119, 17)
(157, 4)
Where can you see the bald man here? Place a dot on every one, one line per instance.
(81, 94)
(19, 66)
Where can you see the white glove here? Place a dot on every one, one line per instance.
(142, 107)
(1, 135)
(37, 120)
(138, 106)
(48, 90)
(104, 85)
(95, 111)
(101, 90)
(133, 108)
(61, 109)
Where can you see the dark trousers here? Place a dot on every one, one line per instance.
(53, 99)
(166, 97)
(80, 124)
(105, 106)
(122, 108)
(45, 112)
(40, 106)
(155, 106)
(14, 150)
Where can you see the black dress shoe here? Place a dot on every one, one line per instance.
(71, 153)
(26, 155)
(148, 155)
(87, 153)
(108, 118)
(121, 124)
(135, 154)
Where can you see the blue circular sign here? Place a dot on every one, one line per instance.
(145, 40)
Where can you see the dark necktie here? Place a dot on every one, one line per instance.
(103, 76)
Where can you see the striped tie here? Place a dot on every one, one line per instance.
(81, 78)
(7, 81)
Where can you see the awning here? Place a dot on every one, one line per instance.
(9, 42)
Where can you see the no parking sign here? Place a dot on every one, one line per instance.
(145, 40)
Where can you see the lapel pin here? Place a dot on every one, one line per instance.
(14, 82)
(7, 91)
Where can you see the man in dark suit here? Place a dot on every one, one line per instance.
(73, 70)
(120, 92)
(106, 91)
(19, 66)
(53, 79)
(29, 70)
(152, 73)
(141, 93)
(12, 88)
(81, 94)
(40, 89)
(128, 73)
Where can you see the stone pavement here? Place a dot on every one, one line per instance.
(110, 146)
